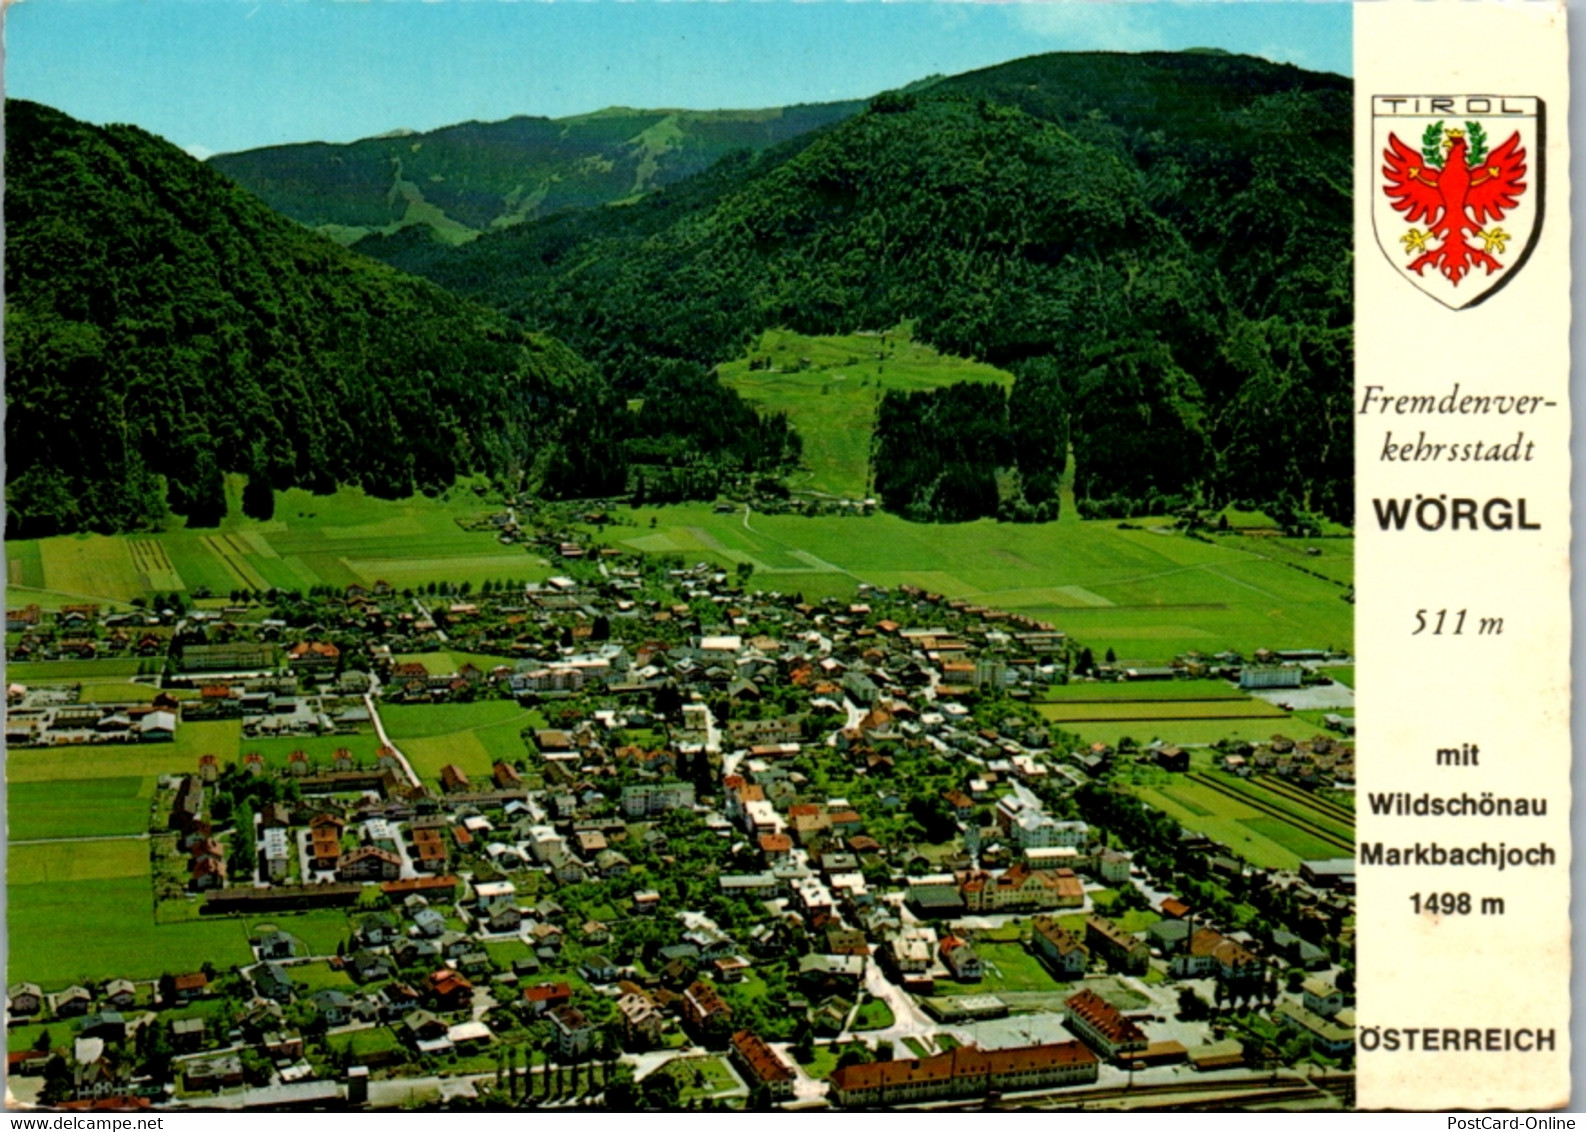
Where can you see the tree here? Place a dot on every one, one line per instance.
(855, 1054)
(660, 1091)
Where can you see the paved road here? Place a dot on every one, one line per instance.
(385, 740)
(424, 614)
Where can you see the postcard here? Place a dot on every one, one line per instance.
(729, 557)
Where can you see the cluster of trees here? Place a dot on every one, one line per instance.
(1157, 245)
(969, 451)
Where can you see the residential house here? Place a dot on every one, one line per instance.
(962, 960)
(369, 862)
(761, 1066)
(1065, 956)
(271, 981)
(704, 1009)
(642, 1020)
(24, 999)
(1122, 951)
(450, 989)
(575, 1033)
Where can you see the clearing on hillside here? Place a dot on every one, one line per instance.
(829, 388)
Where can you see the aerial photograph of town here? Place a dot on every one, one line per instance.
(832, 592)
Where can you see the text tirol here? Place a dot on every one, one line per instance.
(1439, 513)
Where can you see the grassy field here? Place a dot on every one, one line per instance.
(1010, 968)
(1267, 828)
(313, 539)
(311, 977)
(83, 911)
(1182, 731)
(473, 736)
(1123, 712)
(78, 807)
(829, 388)
(118, 760)
(445, 663)
(1148, 596)
(873, 1014)
(1159, 692)
(114, 670)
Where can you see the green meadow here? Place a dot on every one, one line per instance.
(1272, 827)
(1147, 594)
(829, 388)
(336, 540)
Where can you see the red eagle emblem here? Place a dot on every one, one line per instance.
(1458, 188)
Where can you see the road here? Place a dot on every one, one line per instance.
(385, 740)
(855, 716)
(424, 614)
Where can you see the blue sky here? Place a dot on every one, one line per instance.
(224, 75)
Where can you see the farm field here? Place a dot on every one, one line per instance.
(1162, 692)
(829, 388)
(83, 911)
(1122, 711)
(1272, 827)
(312, 540)
(115, 670)
(1148, 596)
(118, 760)
(1183, 732)
(78, 807)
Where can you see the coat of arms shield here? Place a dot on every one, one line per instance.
(1457, 203)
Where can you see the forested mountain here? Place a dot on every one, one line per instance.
(163, 327)
(1158, 246)
(452, 183)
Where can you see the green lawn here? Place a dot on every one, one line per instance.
(829, 388)
(701, 1076)
(311, 977)
(118, 760)
(1342, 674)
(321, 749)
(78, 807)
(874, 1014)
(824, 1061)
(1009, 967)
